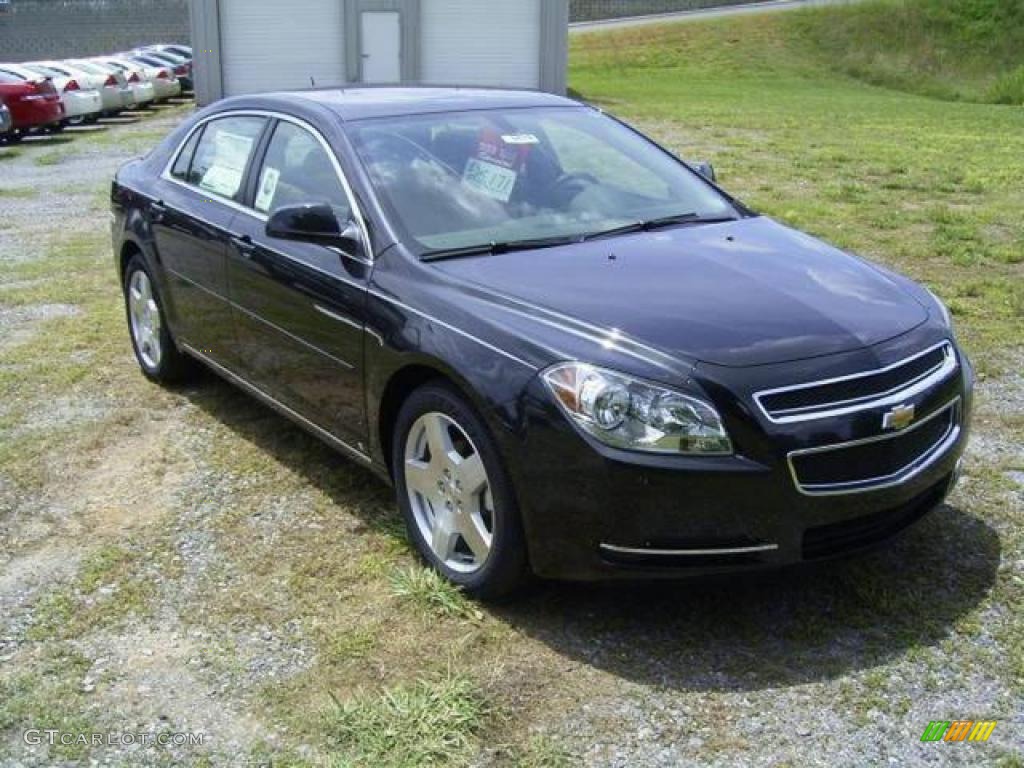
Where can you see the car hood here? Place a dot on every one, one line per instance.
(749, 292)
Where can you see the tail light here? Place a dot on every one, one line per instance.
(134, 78)
(71, 86)
(111, 81)
(182, 70)
(163, 74)
(42, 90)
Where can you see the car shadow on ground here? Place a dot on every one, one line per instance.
(764, 630)
(746, 632)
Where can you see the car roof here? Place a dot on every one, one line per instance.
(364, 102)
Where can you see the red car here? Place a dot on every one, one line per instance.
(34, 104)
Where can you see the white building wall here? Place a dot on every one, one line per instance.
(468, 42)
(281, 44)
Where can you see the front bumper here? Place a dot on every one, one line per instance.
(592, 512)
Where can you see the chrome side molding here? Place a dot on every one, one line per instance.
(644, 551)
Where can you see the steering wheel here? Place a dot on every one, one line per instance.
(567, 186)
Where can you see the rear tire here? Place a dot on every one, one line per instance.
(155, 351)
(458, 502)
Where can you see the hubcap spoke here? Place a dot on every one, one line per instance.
(438, 439)
(471, 474)
(444, 535)
(421, 478)
(473, 533)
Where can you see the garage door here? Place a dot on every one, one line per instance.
(467, 42)
(274, 44)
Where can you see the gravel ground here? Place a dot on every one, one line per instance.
(147, 556)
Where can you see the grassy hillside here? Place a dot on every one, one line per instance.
(934, 188)
(954, 49)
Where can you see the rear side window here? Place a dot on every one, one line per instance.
(180, 171)
(298, 170)
(222, 154)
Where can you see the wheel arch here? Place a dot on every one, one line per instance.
(400, 385)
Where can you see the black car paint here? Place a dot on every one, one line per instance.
(333, 336)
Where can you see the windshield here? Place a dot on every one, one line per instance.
(462, 180)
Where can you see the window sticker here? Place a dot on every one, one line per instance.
(268, 188)
(521, 139)
(490, 179)
(230, 154)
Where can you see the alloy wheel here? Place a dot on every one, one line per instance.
(145, 319)
(449, 492)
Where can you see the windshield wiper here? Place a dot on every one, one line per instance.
(496, 248)
(653, 224)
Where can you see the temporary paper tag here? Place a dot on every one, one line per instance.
(490, 179)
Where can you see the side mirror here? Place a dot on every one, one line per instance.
(707, 170)
(313, 223)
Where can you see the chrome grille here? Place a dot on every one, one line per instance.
(876, 462)
(860, 391)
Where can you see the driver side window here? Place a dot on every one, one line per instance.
(297, 170)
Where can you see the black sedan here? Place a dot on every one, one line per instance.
(570, 351)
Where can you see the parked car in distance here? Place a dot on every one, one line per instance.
(82, 102)
(6, 122)
(161, 75)
(34, 103)
(182, 68)
(570, 351)
(177, 49)
(143, 90)
(113, 85)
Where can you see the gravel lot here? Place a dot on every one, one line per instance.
(186, 561)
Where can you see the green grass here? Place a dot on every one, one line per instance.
(971, 50)
(426, 723)
(17, 192)
(432, 594)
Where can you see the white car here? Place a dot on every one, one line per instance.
(114, 88)
(143, 91)
(163, 78)
(80, 102)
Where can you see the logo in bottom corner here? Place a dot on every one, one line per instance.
(958, 730)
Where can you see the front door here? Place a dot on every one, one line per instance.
(381, 36)
(299, 306)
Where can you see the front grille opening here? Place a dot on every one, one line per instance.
(851, 535)
(872, 460)
(852, 391)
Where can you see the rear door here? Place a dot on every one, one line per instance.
(300, 306)
(191, 225)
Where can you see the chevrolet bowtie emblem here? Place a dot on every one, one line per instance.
(898, 418)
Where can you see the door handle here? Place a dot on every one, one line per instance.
(157, 211)
(244, 245)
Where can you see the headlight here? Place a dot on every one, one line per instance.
(946, 317)
(624, 412)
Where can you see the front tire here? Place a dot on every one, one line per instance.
(157, 354)
(456, 497)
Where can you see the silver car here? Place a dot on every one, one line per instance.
(113, 85)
